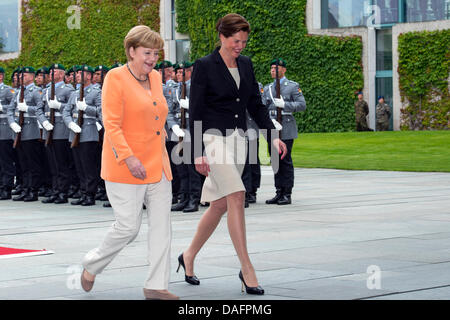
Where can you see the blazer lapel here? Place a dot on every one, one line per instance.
(225, 72)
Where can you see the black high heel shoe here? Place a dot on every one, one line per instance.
(250, 290)
(189, 279)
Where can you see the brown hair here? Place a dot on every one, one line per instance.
(142, 36)
(232, 23)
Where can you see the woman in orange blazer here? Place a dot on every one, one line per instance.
(135, 163)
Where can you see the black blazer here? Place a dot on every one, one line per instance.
(216, 101)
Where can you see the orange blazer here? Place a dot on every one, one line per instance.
(134, 122)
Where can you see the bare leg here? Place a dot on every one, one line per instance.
(236, 228)
(206, 227)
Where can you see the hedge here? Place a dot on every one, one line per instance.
(328, 69)
(424, 69)
(46, 38)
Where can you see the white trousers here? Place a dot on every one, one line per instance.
(126, 201)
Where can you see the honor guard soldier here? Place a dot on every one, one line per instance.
(291, 100)
(27, 134)
(81, 118)
(56, 134)
(178, 122)
(251, 176)
(165, 68)
(40, 77)
(7, 169)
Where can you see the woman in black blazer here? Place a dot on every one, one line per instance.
(223, 86)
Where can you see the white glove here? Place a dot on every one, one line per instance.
(74, 127)
(184, 103)
(277, 125)
(99, 126)
(15, 127)
(81, 105)
(47, 125)
(279, 103)
(54, 104)
(178, 131)
(22, 107)
(1, 107)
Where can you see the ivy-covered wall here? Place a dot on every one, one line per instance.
(49, 35)
(424, 71)
(328, 69)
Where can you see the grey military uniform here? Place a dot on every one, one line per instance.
(6, 95)
(168, 89)
(32, 97)
(62, 95)
(294, 102)
(174, 115)
(93, 98)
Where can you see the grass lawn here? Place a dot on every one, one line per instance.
(389, 150)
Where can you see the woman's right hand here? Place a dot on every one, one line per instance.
(136, 168)
(201, 165)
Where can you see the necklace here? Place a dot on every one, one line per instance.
(135, 76)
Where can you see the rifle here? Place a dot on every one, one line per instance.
(49, 139)
(277, 93)
(21, 114)
(76, 138)
(102, 131)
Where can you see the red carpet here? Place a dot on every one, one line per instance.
(14, 252)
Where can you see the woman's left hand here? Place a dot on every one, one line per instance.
(280, 146)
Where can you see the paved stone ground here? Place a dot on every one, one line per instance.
(342, 226)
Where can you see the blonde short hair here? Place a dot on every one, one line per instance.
(142, 36)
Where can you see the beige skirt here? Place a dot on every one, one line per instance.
(226, 157)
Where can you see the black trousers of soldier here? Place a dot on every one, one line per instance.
(31, 163)
(284, 178)
(170, 145)
(52, 164)
(85, 158)
(101, 185)
(190, 180)
(46, 170)
(74, 176)
(251, 176)
(7, 168)
(60, 150)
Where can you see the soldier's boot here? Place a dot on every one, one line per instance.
(175, 198)
(184, 200)
(51, 199)
(77, 194)
(62, 198)
(247, 200)
(21, 196)
(79, 201)
(193, 203)
(6, 193)
(17, 190)
(89, 200)
(275, 199)
(285, 197)
(33, 195)
(252, 196)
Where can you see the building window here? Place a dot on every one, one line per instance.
(183, 48)
(384, 49)
(9, 26)
(337, 14)
(426, 10)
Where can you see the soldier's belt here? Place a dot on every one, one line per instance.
(283, 113)
(75, 116)
(26, 114)
(57, 114)
(178, 115)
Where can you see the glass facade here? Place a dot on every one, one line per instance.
(354, 13)
(384, 49)
(9, 26)
(182, 48)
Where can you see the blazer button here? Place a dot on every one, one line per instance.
(237, 99)
(154, 103)
(158, 133)
(236, 116)
(156, 118)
